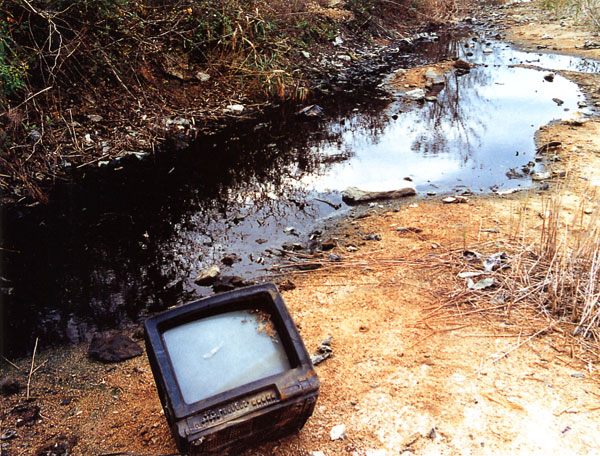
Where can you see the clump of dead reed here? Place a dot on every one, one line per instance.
(563, 267)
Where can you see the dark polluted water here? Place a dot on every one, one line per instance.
(104, 256)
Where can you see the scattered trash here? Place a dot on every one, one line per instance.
(311, 111)
(468, 275)
(372, 237)
(111, 348)
(558, 101)
(489, 230)
(471, 255)
(323, 352)
(481, 285)
(202, 77)
(334, 257)
(496, 261)
(235, 108)
(338, 432)
(578, 375)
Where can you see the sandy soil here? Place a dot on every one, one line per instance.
(422, 365)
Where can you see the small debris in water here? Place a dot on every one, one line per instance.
(311, 111)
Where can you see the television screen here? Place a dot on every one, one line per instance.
(229, 350)
(231, 370)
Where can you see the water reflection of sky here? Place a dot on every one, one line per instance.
(482, 126)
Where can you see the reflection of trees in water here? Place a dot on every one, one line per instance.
(459, 115)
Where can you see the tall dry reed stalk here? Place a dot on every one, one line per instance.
(561, 271)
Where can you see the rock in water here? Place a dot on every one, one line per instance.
(111, 348)
(208, 276)
(462, 64)
(354, 195)
(415, 95)
(435, 77)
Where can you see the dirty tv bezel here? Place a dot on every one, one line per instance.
(296, 388)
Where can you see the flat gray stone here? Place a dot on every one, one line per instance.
(354, 195)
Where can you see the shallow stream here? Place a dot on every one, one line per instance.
(106, 256)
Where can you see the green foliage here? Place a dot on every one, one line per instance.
(13, 69)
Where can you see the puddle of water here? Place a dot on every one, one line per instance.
(101, 257)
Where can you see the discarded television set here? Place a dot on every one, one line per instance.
(231, 371)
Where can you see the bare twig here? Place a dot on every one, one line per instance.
(32, 364)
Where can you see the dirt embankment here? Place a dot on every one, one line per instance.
(423, 364)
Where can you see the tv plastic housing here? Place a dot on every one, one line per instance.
(206, 416)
